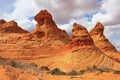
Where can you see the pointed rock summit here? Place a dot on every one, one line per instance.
(44, 17)
(101, 41)
(2, 22)
(46, 28)
(11, 27)
(80, 36)
(97, 30)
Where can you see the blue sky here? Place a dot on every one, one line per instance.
(7, 5)
(65, 13)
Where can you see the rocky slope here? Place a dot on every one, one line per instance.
(46, 30)
(46, 38)
(97, 33)
(10, 27)
(80, 53)
(50, 46)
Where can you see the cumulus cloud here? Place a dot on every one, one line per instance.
(23, 10)
(65, 10)
(109, 14)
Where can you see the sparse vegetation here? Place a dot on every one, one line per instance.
(13, 64)
(91, 69)
(22, 65)
(44, 68)
(116, 71)
(73, 73)
(57, 71)
(104, 69)
(34, 65)
(81, 72)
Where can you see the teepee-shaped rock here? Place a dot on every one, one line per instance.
(46, 28)
(80, 36)
(102, 42)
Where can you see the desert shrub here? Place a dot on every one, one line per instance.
(44, 68)
(33, 65)
(104, 69)
(22, 65)
(16, 64)
(13, 63)
(116, 71)
(57, 71)
(73, 73)
(91, 69)
(81, 72)
(94, 68)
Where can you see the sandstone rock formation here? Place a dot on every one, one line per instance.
(82, 54)
(46, 29)
(2, 22)
(80, 36)
(97, 33)
(11, 27)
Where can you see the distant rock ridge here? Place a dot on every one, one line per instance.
(10, 27)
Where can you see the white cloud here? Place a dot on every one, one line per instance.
(111, 15)
(65, 10)
(23, 9)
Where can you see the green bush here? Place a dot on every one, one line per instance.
(33, 65)
(22, 65)
(91, 69)
(13, 64)
(117, 72)
(104, 69)
(73, 73)
(57, 71)
(44, 68)
(81, 72)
